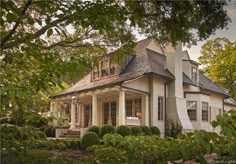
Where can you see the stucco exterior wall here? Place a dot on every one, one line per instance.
(158, 90)
(187, 68)
(138, 84)
(228, 107)
(155, 47)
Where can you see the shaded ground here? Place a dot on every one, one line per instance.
(70, 154)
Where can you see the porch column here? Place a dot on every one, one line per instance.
(78, 113)
(122, 108)
(94, 111)
(147, 110)
(72, 113)
(55, 110)
(51, 107)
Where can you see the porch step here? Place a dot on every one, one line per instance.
(71, 134)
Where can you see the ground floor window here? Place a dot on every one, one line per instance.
(160, 108)
(133, 107)
(204, 111)
(87, 115)
(192, 110)
(109, 113)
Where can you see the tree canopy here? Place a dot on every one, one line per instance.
(218, 57)
(41, 41)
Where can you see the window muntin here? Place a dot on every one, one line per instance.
(192, 110)
(105, 69)
(160, 109)
(194, 74)
(133, 107)
(129, 108)
(105, 113)
(204, 111)
(87, 115)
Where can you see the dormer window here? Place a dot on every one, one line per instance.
(105, 69)
(194, 74)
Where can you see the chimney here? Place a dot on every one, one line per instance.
(174, 65)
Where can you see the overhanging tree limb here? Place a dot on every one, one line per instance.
(13, 30)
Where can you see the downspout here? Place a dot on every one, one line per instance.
(165, 122)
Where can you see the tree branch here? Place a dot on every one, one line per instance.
(35, 35)
(13, 30)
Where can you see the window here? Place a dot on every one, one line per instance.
(113, 113)
(87, 115)
(137, 105)
(109, 113)
(160, 108)
(129, 108)
(204, 111)
(105, 69)
(95, 75)
(105, 113)
(133, 107)
(194, 74)
(192, 110)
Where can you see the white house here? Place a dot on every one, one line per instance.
(147, 88)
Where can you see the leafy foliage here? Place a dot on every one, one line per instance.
(89, 139)
(94, 129)
(136, 130)
(106, 129)
(146, 130)
(123, 130)
(153, 149)
(173, 128)
(155, 130)
(218, 57)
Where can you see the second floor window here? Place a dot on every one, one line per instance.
(105, 69)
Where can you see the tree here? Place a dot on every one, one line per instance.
(42, 41)
(218, 57)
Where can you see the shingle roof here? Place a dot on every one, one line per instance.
(230, 101)
(206, 83)
(147, 62)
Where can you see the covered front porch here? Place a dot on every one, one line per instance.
(115, 106)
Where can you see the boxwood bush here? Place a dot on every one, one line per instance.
(94, 129)
(50, 131)
(105, 129)
(123, 130)
(89, 139)
(136, 130)
(146, 130)
(155, 130)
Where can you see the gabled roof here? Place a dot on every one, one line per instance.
(230, 101)
(207, 84)
(146, 62)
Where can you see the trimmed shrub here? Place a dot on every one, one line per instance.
(94, 129)
(136, 130)
(61, 145)
(123, 130)
(89, 139)
(106, 129)
(146, 130)
(50, 131)
(155, 131)
(40, 134)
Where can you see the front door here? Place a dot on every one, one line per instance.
(109, 113)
